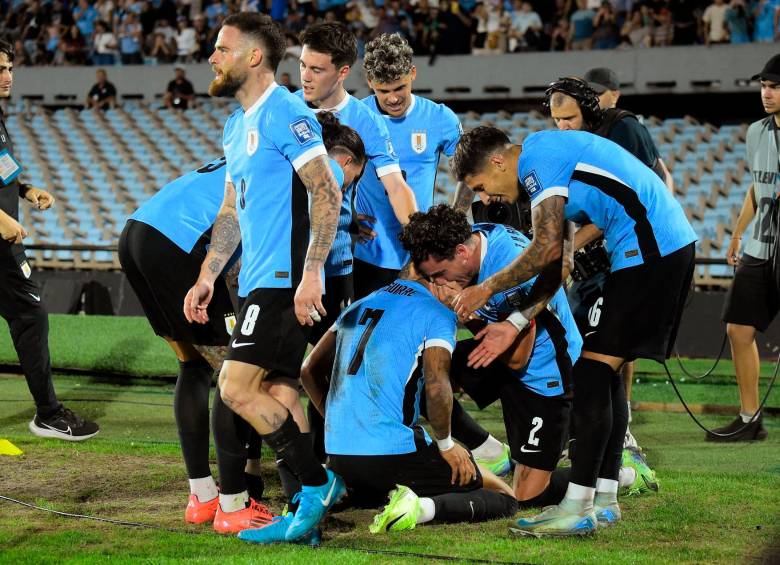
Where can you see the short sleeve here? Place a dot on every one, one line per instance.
(634, 138)
(297, 134)
(338, 172)
(451, 131)
(544, 172)
(379, 147)
(442, 329)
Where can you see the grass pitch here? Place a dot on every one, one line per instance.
(718, 503)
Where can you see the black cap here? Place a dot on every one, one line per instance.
(771, 70)
(602, 79)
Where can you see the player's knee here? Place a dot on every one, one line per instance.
(234, 395)
(741, 335)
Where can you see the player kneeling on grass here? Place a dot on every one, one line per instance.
(379, 356)
(529, 370)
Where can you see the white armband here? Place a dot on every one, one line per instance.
(518, 321)
(445, 444)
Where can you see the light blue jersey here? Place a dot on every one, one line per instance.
(265, 147)
(381, 161)
(419, 137)
(374, 399)
(558, 342)
(605, 185)
(185, 209)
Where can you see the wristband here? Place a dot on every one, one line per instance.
(445, 444)
(518, 321)
(24, 188)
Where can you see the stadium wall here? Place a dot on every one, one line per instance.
(669, 70)
(108, 293)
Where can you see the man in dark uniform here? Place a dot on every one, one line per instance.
(20, 297)
(102, 95)
(180, 94)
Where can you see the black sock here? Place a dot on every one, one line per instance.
(191, 409)
(613, 456)
(553, 494)
(231, 434)
(475, 506)
(464, 428)
(290, 483)
(592, 415)
(317, 425)
(255, 485)
(295, 449)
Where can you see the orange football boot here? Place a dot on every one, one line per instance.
(201, 512)
(256, 515)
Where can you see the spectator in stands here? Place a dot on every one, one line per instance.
(84, 16)
(186, 40)
(663, 32)
(180, 93)
(636, 31)
(559, 38)
(130, 40)
(104, 45)
(105, 10)
(73, 46)
(526, 28)
(581, 31)
(162, 43)
(204, 47)
(102, 95)
(753, 300)
(53, 55)
(737, 22)
(605, 33)
(765, 13)
(714, 19)
(286, 81)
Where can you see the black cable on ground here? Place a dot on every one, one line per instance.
(708, 372)
(111, 400)
(688, 410)
(204, 532)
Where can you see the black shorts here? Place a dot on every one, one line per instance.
(267, 333)
(640, 310)
(582, 296)
(370, 477)
(161, 274)
(369, 278)
(338, 295)
(536, 425)
(753, 297)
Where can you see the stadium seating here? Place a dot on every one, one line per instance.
(102, 165)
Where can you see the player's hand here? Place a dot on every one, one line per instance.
(11, 230)
(39, 198)
(445, 293)
(469, 300)
(463, 470)
(197, 301)
(495, 340)
(308, 299)
(365, 233)
(732, 253)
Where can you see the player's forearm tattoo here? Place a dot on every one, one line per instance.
(325, 207)
(438, 390)
(226, 234)
(546, 247)
(463, 198)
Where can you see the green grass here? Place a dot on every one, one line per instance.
(718, 503)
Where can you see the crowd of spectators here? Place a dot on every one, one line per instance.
(104, 32)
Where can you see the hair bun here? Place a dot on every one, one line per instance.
(328, 120)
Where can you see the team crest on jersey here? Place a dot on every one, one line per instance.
(230, 323)
(532, 184)
(252, 141)
(26, 271)
(302, 131)
(419, 141)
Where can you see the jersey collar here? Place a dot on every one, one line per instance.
(260, 101)
(405, 114)
(337, 108)
(482, 250)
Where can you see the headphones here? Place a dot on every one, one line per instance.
(585, 96)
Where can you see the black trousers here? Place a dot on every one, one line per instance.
(21, 307)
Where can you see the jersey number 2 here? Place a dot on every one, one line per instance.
(374, 315)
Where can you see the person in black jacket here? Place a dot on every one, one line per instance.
(20, 297)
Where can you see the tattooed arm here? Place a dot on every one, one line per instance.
(318, 178)
(546, 248)
(225, 237)
(463, 198)
(438, 395)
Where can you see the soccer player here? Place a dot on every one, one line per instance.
(753, 301)
(378, 360)
(161, 249)
(20, 297)
(274, 154)
(535, 392)
(573, 175)
(421, 131)
(328, 53)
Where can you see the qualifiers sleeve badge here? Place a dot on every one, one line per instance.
(302, 131)
(532, 184)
